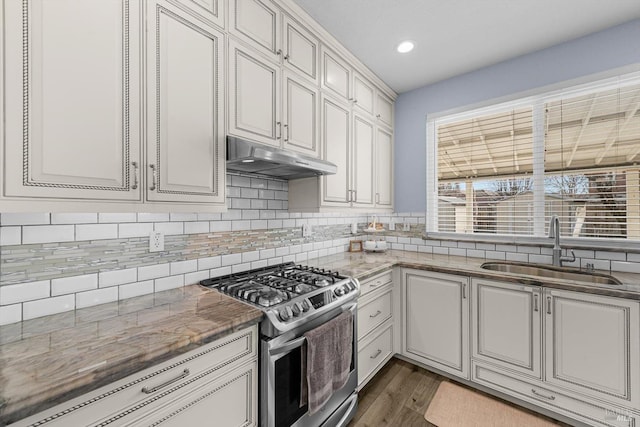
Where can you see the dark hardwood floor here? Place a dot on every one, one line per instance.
(399, 396)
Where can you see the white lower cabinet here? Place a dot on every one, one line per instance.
(506, 325)
(591, 349)
(593, 413)
(435, 309)
(228, 399)
(375, 325)
(217, 380)
(572, 353)
(593, 346)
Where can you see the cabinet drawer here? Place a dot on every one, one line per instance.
(230, 398)
(374, 313)
(593, 414)
(373, 354)
(147, 388)
(376, 282)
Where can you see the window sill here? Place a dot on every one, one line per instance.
(621, 245)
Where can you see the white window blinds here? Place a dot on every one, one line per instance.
(509, 170)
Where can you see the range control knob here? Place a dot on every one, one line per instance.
(339, 291)
(305, 305)
(297, 309)
(284, 314)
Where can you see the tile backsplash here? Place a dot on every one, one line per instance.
(55, 262)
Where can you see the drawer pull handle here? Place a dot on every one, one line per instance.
(134, 186)
(148, 390)
(378, 313)
(376, 355)
(535, 393)
(548, 305)
(378, 283)
(154, 176)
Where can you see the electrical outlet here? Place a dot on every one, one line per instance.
(156, 241)
(306, 230)
(406, 227)
(392, 226)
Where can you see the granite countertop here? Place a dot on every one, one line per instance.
(362, 265)
(51, 359)
(48, 360)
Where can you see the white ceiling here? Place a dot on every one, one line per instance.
(454, 37)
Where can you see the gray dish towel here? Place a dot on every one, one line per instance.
(326, 360)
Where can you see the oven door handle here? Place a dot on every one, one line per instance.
(297, 342)
(285, 348)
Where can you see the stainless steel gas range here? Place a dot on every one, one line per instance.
(295, 299)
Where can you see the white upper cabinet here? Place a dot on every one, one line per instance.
(211, 11)
(254, 86)
(72, 104)
(257, 22)
(336, 74)
(384, 109)
(362, 181)
(336, 136)
(300, 49)
(384, 168)
(185, 89)
(300, 115)
(363, 94)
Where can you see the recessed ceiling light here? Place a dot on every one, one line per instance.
(405, 46)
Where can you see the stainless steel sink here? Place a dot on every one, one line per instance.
(563, 273)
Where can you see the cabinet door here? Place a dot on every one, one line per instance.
(71, 93)
(212, 11)
(506, 324)
(384, 168)
(254, 83)
(384, 109)
(185, 136)
(336, 74)
(257, 22)
(593, 345)
(300, 115)
(363, 94)
(231, 400)
(363, 162)
(436, 320)
(335, 143)
(300, 49)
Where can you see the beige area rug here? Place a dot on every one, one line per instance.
(455, 406)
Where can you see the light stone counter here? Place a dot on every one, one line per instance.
(44, 361)
(362, 265)
(51, 359)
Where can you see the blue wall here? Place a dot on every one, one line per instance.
(595, 53)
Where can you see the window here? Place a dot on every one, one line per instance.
(507, 169)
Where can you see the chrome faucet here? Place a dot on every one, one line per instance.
(554, 232)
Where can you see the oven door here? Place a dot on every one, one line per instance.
(281, 375)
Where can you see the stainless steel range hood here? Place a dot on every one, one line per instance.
(250, 157)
